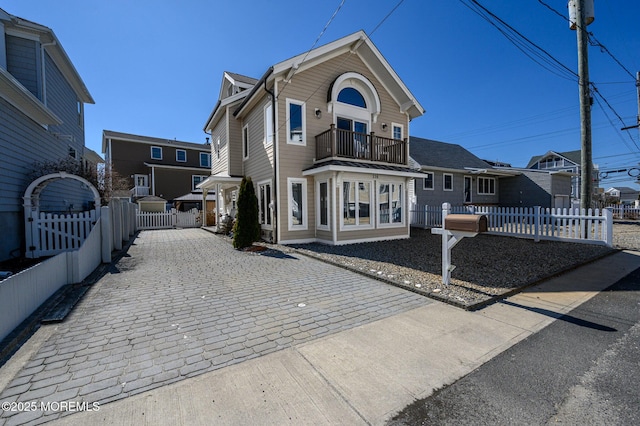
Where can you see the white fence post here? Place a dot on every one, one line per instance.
(608, 215)
(536, 223)
(107, 236)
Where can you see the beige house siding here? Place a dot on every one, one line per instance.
(259, 165)
(234, 147)
(367, 234)
(219, 165)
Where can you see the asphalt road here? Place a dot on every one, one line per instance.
(582, 369)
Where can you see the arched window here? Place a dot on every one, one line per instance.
(351, 96)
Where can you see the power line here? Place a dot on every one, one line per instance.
(595, 90)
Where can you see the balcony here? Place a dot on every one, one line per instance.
(338, 143)
(139, 191)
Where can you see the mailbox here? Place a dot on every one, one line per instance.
(466, 222)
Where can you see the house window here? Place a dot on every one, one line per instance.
(205, 159)
(486, 186)
(296, 122)
(397, 131)
(156, 153)
(351, 96)
(181, 155)
(356, 203)
(195, 180)
(390, 203)
(323, 205)
(297, 204)
(218, 148)
(268, 125)
(264, 202)
(80, 114)
(427, 182)
(245, 142)
(447, 182)
(73, 153)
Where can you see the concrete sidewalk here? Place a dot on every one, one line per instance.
(366, 374)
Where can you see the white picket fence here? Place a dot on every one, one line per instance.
(170, 219)
(622, 212)
(575, 225)
(49, 234)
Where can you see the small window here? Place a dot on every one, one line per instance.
(205, 159)
(447, 182)
(398, 133)
(295, 122)
(264, 203)
(245, 142)
(195, 180)
(427, 183)
(297, 204)
(156, 153)
(390, 203)
(73, 153)
(218, 148)
(80, 114)
(486, 186)
(323, 205)
(181, 155)
(268, 125)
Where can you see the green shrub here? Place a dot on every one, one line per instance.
(247, 228)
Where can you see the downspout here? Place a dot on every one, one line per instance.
(275, 161)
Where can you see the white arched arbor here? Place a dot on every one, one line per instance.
(51, 234)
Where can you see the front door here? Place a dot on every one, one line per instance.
(467, 189)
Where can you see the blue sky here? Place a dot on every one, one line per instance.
(154, 67)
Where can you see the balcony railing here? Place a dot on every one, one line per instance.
(139, 191)
(338, 143)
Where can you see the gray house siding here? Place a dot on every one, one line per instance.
(23, 62)
(526, 190)
(456, 197)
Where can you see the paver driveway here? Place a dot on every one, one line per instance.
(184, 302)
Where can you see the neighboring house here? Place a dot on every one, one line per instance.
(42, 101)
(570, 162)
(323, 136)
(623, 194)
(531, 188)
(158, 167)
(454, 175)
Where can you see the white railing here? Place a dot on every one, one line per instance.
(139, 191)
(575, 225)
(622, 212)
(166, 220)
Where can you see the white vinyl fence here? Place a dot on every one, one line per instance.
(575, 225)
(49, 234)
(170, 219)
(622, 212)
(21, 294)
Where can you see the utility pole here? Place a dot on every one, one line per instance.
(581, 15)
(586, 164)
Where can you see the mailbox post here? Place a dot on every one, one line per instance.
(454, 228)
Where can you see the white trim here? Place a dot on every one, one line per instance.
(366, 89)
(268, 125)
(319, 226)
(300, 241)
(195, 185)
(403, 205)
(305, 209)
(245, 142)
(360, 171)
(303, 111)
(444, 188)
(433, 182)
(486, 193)
(372, 216)
(401, 126)
(168, 166)
(208, 157)
(185, 155)
(151, 152)
(268, 182)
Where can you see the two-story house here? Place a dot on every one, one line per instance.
(324, 137)
(569, 162)
(163, 168)
(42, 101)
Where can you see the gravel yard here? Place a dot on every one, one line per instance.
(487, 266)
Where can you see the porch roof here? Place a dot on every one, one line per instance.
(357, 167)
(222, 179)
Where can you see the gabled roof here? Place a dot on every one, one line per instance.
(357, 43)
(430, 153)
(109, 134)
(53, 47)
(573, 156)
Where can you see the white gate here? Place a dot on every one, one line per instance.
(171, 219)
(47, 234)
